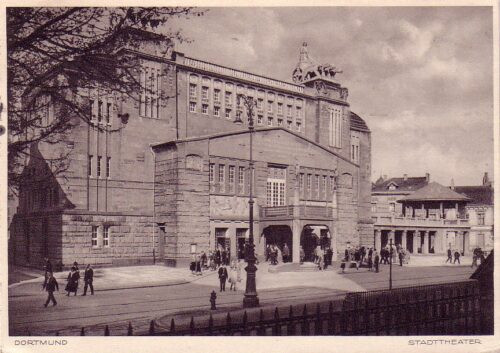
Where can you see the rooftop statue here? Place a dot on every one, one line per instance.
(307, 68)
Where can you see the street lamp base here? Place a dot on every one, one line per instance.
(250, 301)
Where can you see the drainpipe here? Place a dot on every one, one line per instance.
(154, 199)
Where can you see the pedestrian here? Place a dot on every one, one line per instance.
(73, 278)
(204, 260)
(198, 265)
(401, 256)
(370, 259)
(302, 254)
(48, 269)
(363, 254)
(328, 257)
(457, 257)
(286, 253)
(192, 264)
(376, 261)
(342, 264)
(88, 279)
(50, 286)
(218, 258)
(224, 256)
(223, 277)
(233, 277)
(449, 256)
(357, 258)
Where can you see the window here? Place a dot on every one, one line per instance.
(99, 158)
(324, 187)
(299, 126)
(99, 111)
(222, 171)
(260, 104)
(108, 167)
(355, 148)
(108, 113)
(276, 187)
(280, 122)
(317, 186)
(204, 108)
(332, 182)
(217, 96)
(309, 184)
(238, 115)
(228, 113)
(90, 165)
(289, 111)
(336, 127)
(192, 91)
(94, 237)
(204, 93)
(298, 113)
(217, 111)
(260, 119)
(231, 178)
(105, 236)
(229, 98)
(280, 108)
(270, 107)
(301, 182)
(392, 207)
(480, 219)
(289, 124)
(269, 121)
(149, 103)
(211, 173)
(241, 180)
(192, 107)
(92, 107)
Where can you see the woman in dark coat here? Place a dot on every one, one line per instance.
(73, 278)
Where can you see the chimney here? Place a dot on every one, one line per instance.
(405, 177)
(452, 184)
(427, 177)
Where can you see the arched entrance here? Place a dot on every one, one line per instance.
(313, 236)
(279, 235)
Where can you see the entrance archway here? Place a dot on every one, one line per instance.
(313, 236)
(279, 235)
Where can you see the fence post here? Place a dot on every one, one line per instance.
(210, 325)
(191, 326)
(366, 320)
(228, 324)
(152, 328)
(318, 325)
(331, 326)
(305, 322)
(290, 330)
(172, 326)
(129, 329)
(82, 332)
(261, 331)
(106, 331)
(277, 325)
(245, 319)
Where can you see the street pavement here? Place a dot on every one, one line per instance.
(177, 292)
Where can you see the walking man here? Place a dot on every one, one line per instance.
(457, 257)
(286, 253)
(376, 262)
(401, 256)
(222, 277)
(449, 256)
(50, 286)
(88, 279)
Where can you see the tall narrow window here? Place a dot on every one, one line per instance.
(99, 159)
(99, 111)
(301, 182)
(91, 108)
(222, 171)
(260, 104)
(241, 180)
(192, 107)
(231, 178)
(91, 158)
(108, 167)
(324, 187)
(150, 80)
(269, 107)
(94, 237)
(280, 108)
(217, 111)
(228, 99)
(211, 176)
(192, 91)
(309, 184)
(336, 127)
(204, 93)
(217, 96)
(228, 113)
(105, 236)
(317, 186)
(108, 113)
(204, 109)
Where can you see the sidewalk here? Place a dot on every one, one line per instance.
(112, 278)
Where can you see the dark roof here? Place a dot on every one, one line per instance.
(435, 192)
(480, 195)
(402, 184)
(357, 123)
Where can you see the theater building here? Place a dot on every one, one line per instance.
(172, 179)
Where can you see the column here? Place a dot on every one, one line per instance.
(232, 242)
(403, 239)
(391, 236)
(296, 231)
(416, 241)
(425, 246)
(466, 243)
(378, 240)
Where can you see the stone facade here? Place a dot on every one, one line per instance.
(123, 202)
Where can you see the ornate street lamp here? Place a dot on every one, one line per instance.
(251, 298)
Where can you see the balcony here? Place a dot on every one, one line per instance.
(296, 211)
(419, 221)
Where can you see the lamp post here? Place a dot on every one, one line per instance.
(390, 263)
(251, 298)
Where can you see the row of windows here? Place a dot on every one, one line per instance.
(99, 167)
(355, 148)
(235, 178)
(100, 111)
(149, 99)
(315, 186)
(100, 236)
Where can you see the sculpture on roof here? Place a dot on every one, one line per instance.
(307, 68)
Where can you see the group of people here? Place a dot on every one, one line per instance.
(274, 254)
(213, 260)
(453, 256)
(360, 256)
(234, 275)
(50, 283)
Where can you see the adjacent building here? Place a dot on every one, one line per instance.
(429, 218)
(156, 180)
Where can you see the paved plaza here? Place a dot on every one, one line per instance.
(141, 293)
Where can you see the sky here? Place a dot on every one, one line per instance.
(421, 77)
